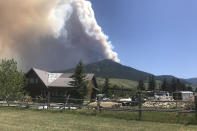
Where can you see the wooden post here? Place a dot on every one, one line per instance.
(195, 107)
(176, 104)
(48, 99)
(7, 101)
(66, 101)
(139, 106)
(98, 104)
(23, 101)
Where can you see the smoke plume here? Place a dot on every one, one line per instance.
(51, 34)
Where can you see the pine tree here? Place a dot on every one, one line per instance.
(189, 88)
(173, 85)
(151, 83)
(141, 85)
(164, 86)
(183, 87)
(179, 85)
(106, 87)
(79, 81)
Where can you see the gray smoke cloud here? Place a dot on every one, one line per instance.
(51, 34)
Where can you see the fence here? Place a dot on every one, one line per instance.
(99, 105)
(156, 106)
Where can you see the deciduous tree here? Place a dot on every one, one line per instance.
(12, 81)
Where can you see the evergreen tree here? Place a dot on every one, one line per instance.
(141, 85)
(106, 87)
(183, 87)
(114, 88)
(122, 92)
(164, 86)
(173, 85)
(151, 83)
(189, 88)
(179, 85)
(79, 81)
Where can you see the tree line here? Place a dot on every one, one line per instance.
(152, 85)
(169, 86)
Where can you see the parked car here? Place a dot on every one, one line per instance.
(126, 101)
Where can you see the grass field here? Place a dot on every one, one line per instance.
(124, 82)
(34, 120)
(119, 82)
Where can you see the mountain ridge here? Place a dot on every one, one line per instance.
(111, 69)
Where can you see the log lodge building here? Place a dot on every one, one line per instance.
(44, 84)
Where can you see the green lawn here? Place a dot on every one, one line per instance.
(34, 120)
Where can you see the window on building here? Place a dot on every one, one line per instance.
(31, 81)
(56, 93)
(52, 93)
(36, 80)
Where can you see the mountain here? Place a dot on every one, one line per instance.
(167, 77)
(111, 69)
(193, 81)
(170, 77)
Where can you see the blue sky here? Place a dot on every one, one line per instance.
(156, 36)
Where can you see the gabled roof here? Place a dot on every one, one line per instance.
(43, 75)
(57, 79)
(64, 79)
(66, 75)
(61, 82)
